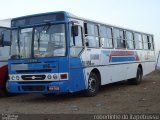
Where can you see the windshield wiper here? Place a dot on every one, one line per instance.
(40, 36)
(15, 57)
(18, 40)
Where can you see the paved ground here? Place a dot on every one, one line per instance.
(113, 98)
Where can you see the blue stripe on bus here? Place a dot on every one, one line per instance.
(123, 59)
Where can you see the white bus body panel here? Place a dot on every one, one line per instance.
(114, 71)
(99, 58)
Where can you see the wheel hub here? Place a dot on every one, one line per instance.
(92, 84)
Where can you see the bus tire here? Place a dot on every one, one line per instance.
(138, 79)
(93, 85)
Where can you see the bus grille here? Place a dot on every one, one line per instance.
(33, 88)
(33, 77)
(33, 71)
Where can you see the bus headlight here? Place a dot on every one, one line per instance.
(55, 76)
(49, 77)
(13, 77)
(17, 77)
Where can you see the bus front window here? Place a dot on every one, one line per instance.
(49, 41)
(21, 43)
(14, 45)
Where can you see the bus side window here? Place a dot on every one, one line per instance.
(77, 39)
(130, 40)
(106, 37)
(1, 37)
(151, 43)
(76, 42)
(138, 41)
(91, 35)
(120, 41)
(5, 37)
(146, 44)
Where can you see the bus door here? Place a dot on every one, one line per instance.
(75, 62)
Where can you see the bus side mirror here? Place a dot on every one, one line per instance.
(1, 40)
(75, 30)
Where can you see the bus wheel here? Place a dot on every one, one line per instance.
(138, 79)
(93, 85)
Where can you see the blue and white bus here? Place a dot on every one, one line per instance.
(58, 52)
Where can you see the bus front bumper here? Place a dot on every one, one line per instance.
(50, 87)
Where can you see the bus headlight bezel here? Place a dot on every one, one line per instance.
(17, 77)
(13, 77)
(49, 76)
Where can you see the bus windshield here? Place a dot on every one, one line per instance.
(36, 42)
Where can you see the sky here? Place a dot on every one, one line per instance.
(141, 15)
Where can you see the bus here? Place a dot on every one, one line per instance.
(4, 55)
(58, 52)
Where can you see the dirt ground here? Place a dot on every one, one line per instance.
(117, 98)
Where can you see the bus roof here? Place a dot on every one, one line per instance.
(39, 14)
(70, 15)
(102, 23)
